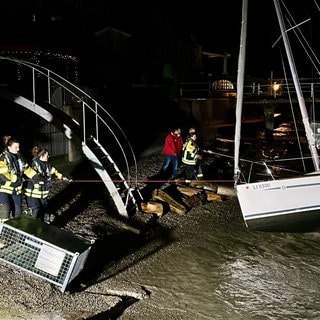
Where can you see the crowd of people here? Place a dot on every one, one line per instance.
(176, 150)
(18, 179)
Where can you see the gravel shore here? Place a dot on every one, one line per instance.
(96, 293)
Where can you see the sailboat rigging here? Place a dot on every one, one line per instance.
(279, 204)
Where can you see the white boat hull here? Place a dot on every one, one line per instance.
(281, 205)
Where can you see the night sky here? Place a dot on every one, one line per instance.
(213, 26)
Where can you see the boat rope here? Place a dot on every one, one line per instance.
(292, 113)
(265, 162)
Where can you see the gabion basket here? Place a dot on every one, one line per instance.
(43, 250)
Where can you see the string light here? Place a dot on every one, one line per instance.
(50, 60)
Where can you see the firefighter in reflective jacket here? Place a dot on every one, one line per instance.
(37, 189)
(13, 170)
(190, 156)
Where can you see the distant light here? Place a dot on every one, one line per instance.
(224, 88)
(55, 18)
(275, 88)
(222, 85)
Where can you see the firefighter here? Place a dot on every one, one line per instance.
(190, 156)
(37, 189)
(13, 171)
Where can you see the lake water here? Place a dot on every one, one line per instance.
(215, 268)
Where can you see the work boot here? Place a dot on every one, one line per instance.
(46, 218)
(51, 217)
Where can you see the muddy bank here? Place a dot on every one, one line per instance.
(83, 209)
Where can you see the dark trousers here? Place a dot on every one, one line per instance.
(174, 162)
(189, 172)
(11, 202)
(38, 207)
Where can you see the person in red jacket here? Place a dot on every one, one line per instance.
(171, 150)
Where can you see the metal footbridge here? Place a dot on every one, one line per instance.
(89, 124)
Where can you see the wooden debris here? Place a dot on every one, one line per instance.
(174, 205)
(196, 200)
(204, 185)
(191, 191)
(152, 207)
(188, 190)
(212, 196)
(180, 198)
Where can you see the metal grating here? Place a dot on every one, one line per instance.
(43, 250)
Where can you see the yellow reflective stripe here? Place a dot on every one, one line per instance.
(34, 193)
(191, 162)
(6, 191)
(7, 186)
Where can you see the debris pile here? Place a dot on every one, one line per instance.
(179, 198)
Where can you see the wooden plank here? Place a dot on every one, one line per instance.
(174, 205)
(204, 185)
(152, 207)
(188, 190)
(211, 196)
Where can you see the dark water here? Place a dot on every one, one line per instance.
(266, 275)
(217, 270)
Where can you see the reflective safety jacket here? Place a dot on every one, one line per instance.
(13, 171)
(39, 185)
(190, 152)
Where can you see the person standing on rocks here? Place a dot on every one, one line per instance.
(191, 157)
(37, 189)
(13, 169)
(172, 150)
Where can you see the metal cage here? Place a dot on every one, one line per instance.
(43, 250)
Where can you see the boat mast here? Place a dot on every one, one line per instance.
(240, 86)
(302, 105)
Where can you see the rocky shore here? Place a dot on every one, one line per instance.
(97, 293)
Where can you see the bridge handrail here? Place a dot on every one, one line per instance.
(100, 113)
(275, 87)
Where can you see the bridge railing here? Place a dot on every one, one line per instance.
(283, 88)
(275, 87)
(40, 84)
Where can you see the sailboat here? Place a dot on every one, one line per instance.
(284, 204)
